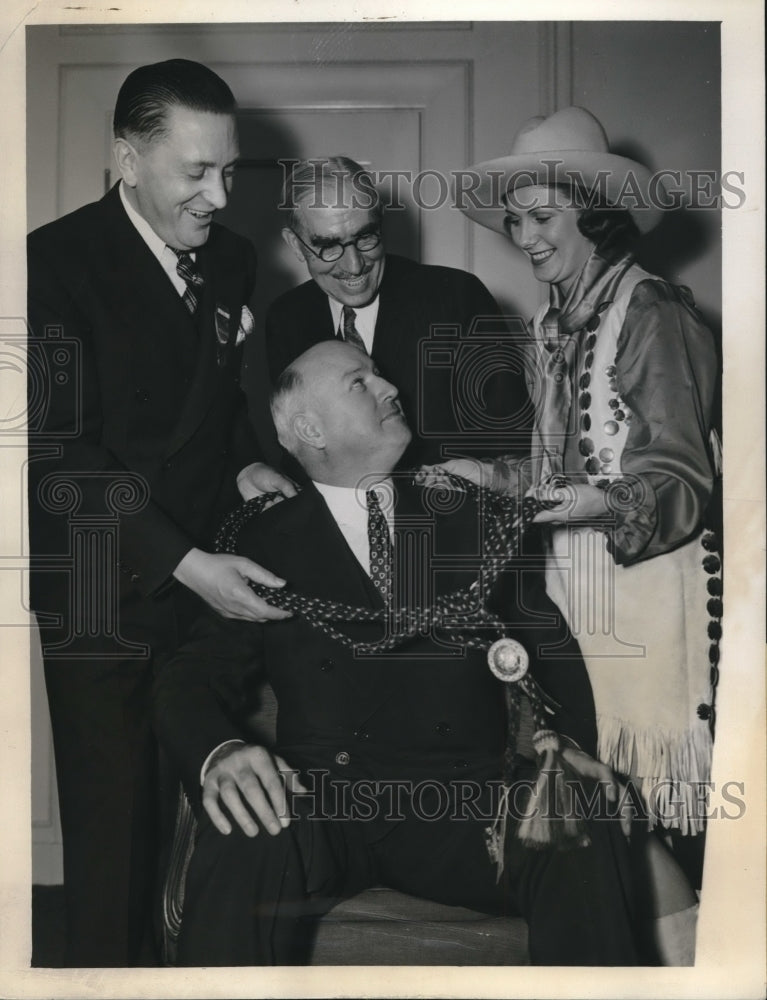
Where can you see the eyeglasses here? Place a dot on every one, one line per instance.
(364, 243)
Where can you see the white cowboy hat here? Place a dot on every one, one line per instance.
(568, 145)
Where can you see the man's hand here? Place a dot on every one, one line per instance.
(259, 478)
(221, 581)
(587, 767)
(252, 775)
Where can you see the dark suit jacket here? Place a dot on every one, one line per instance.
(427, 712)
(440, 339)
(123, 378)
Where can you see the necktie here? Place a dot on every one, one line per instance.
(187, 270)
(350, 332)
(380, 546)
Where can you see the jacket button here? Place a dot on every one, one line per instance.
(342, 758)
(444, 728)
(704, 712)
(361, 734)
(327, 664)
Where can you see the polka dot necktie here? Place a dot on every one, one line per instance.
(187, 270)
(380, 546)
(350, 332)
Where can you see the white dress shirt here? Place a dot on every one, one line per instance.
(348, 505)
(161, 251)
(364, 320)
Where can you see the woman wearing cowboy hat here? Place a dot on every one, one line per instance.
(622, 375)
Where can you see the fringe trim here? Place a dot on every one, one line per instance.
(668, 766)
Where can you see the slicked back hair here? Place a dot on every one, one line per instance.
(150, 91)
(332, 182)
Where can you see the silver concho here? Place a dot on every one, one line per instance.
(508, 660)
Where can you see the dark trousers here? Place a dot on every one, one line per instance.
(107, 775)
(253, 901)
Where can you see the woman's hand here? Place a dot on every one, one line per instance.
(472, 469)
(572, 502)
(587, 767)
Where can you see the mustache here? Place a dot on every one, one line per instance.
(349, 274)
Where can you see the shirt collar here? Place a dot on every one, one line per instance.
(348, 504)
(365, 317)
(145, 231)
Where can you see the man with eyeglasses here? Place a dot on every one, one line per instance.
(475, 403)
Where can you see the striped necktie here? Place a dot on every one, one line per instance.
(187, 270)
(380, 544)
(350, 333)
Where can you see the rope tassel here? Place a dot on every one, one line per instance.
(550, 819)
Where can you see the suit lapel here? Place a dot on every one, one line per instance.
(311, 551)
(144, 299)
(327, 568)
(394, 322)
(318, 319)
(217, 322)
(178, 352)
(167, 354)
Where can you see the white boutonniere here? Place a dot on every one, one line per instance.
(223, 325)
(222, 333)
(247, 325)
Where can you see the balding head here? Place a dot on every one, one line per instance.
(337, 416)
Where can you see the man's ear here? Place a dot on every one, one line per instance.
(299, 251)
(126, 157)
(308, 431)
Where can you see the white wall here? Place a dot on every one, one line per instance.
(655, 86)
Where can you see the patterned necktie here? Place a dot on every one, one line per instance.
(380, 546)
(350, 333)
(187, 270)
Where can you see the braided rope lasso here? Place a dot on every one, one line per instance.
(501, 546)
(505, 518)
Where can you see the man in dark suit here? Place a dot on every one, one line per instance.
(284, 834)
(436, 332)
(139, 438)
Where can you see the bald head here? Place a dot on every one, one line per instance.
(337, 416)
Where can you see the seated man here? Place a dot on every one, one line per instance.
(387, 767)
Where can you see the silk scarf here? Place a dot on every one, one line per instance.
(558, 337)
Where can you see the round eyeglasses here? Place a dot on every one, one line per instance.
(364, 243)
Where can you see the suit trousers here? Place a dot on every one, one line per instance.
(254, 901)
(108, 782)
